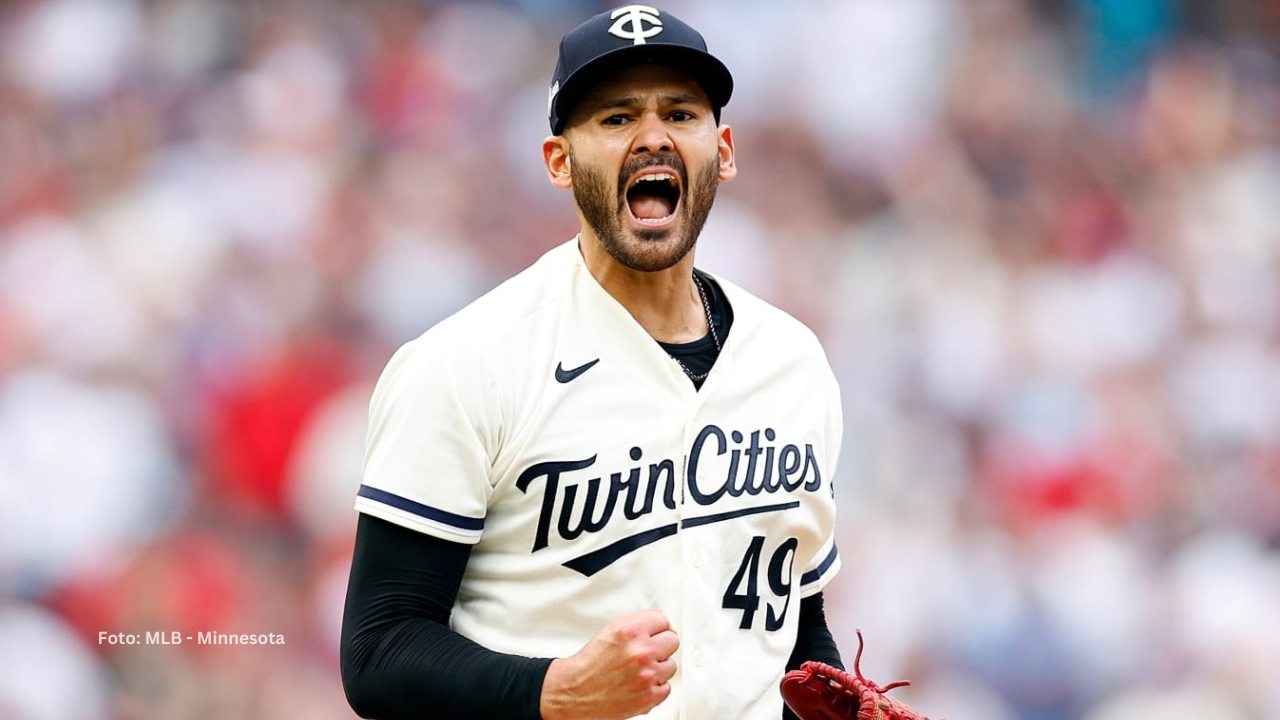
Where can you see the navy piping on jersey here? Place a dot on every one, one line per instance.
(816, 574)
(461, 522)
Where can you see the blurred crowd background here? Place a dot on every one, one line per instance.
(1039, 238)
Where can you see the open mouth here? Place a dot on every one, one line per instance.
(653, 197)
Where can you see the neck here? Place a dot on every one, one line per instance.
(665, 303)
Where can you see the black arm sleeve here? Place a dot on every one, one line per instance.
(813, 641)
(399, 657)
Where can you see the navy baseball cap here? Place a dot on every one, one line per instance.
(626, 36)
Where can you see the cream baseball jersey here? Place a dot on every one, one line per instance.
(544, 425)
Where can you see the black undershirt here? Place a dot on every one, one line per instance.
(399, 657)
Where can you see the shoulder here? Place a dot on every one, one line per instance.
(465, 345)
(523, 300)
(763, 321)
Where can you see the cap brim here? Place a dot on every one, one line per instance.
(709, 72)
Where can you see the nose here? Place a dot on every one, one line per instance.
(651, 136)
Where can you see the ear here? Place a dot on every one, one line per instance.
(555, 156)
(728, 159)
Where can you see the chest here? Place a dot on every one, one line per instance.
(598, 468)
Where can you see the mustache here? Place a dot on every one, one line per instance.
(662, 159)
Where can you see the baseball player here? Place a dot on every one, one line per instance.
(603, 489)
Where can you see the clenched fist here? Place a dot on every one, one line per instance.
(621, 672)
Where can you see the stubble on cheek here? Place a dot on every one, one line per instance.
(591, 192)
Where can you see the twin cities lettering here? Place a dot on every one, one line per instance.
(578, 501)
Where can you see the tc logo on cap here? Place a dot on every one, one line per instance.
(630, 23)
(613, 40)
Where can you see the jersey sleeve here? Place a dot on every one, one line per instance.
(433, 428)
(824, 565)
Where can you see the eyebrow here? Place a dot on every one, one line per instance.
(632, 100)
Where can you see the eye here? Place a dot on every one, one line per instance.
(681, 116)
(615, 120)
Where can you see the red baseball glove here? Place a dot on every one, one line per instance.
(818, 691)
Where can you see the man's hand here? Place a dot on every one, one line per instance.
(621, 672)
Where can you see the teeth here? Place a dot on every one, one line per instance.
(656, 177)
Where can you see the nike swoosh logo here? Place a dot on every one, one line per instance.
(565, 376)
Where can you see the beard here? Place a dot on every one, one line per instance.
(644, 250)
